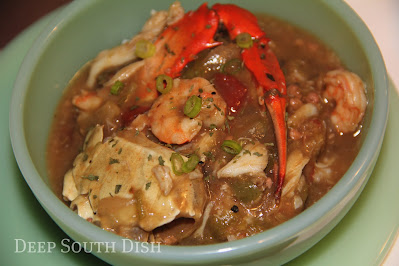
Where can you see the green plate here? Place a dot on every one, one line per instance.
(363, 237)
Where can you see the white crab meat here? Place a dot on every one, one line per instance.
(252, 160)
(136, 170)
(296, 161)
(125, 52)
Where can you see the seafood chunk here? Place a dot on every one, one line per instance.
(82, 205)
(167, 119)
(87, 101)
(252, 160)
(125, 73)
(304, 112)
(323, 170)
(69, 192)
(295, 164)
(162, 173)
(129, 169)
(295, 189)
(348, 91)
(124, 53)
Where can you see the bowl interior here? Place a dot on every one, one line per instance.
(87, 27)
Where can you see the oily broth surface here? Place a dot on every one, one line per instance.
(300, 55)
(65, 141)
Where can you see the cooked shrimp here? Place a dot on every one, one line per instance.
(348, 91)
(323, 170)
(87, 101)
(167, 120)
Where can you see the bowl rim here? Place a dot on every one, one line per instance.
(219, 251)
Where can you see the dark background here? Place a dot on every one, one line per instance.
(16, 15)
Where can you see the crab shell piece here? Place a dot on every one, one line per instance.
(238, 20)
(180, 43)
(263, 64)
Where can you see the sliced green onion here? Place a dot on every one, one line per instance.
(232, 66)
(116, 88)
(177, 163)
(192, 106)
(164, 83)
(231, 147)
(190, 165)
(244, 40)
(144, 49)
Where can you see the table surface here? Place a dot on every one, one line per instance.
(379, 15)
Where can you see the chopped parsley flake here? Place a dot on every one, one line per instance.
(85, 157)
(120, 151)
(91, 177)
(217, 107)
(246, 152)
(258, 154)
(116, 142)
(149, 157)
(147, 186)
(117, 188)
(226, 123)
(112, 161)
(161, 160)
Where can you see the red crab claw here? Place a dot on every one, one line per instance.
(238, 20)
(263, 64)
(180, 43)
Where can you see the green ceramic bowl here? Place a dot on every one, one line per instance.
(85, 27)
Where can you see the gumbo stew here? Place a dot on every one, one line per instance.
(207, 126)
